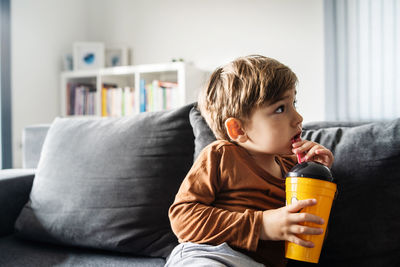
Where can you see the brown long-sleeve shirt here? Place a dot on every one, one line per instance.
(222, 199)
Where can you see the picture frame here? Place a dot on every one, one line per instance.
(88, 55)
(117, 55)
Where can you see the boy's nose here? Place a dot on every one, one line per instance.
(298, 119)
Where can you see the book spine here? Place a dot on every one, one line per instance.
(154, 85)
(150, 97)
(123, 111)
(142, 96)
(72, 99)
(164, 97)
(118, 102)
(92, 103)
(109, 102)
(85, 100)
(132, 100)
(77, 101)
(127, 101)
(113, 101)
(168, 100)
(68, 99)
(104, 102)
(82, 100)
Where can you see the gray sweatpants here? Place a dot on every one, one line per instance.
(191, 254)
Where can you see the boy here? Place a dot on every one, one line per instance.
(230, 208)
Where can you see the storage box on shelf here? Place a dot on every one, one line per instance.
(126, 90)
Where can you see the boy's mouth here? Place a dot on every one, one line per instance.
(296, 138)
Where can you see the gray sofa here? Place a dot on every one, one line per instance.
(99, 195)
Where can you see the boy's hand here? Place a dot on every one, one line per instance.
(283, 223)
(314, 152)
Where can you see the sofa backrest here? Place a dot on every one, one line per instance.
(32, 141)
(107, 183)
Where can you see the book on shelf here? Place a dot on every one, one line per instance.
(158, 95)
(80, 99)
(117, 101)
(104, 91)
(143, 95)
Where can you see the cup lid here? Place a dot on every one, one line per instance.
(311, 169)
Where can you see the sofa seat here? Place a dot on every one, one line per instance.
(18, 252)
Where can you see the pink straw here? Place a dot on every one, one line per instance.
(300, 156)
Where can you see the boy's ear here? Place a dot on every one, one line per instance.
(235, 131)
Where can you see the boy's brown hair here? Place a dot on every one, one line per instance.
(239, 87)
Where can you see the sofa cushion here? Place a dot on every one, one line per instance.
(108, 183)
(365, 218)
(202, 133)
(17, 252)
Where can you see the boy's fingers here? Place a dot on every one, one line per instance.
(311, 152)
(305, 217)
(306, 145)
(325, 152)
(325, 156)
(295, 207)
(305, 230)
(301, 242)
(299, 143)
(321, 151)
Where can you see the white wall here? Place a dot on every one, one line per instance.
(211, 33)
(208, 32)
(41, 32)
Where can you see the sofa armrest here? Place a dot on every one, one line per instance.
(15, 187)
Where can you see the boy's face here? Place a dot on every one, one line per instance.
(271, 128)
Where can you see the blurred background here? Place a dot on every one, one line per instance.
(345, 53)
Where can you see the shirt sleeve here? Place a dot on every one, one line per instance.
(194, 218)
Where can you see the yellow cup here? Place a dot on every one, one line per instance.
(300, 188)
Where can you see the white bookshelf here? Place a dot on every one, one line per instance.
(189, 80)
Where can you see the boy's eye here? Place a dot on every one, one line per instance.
(295, 103)
(280, 109)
